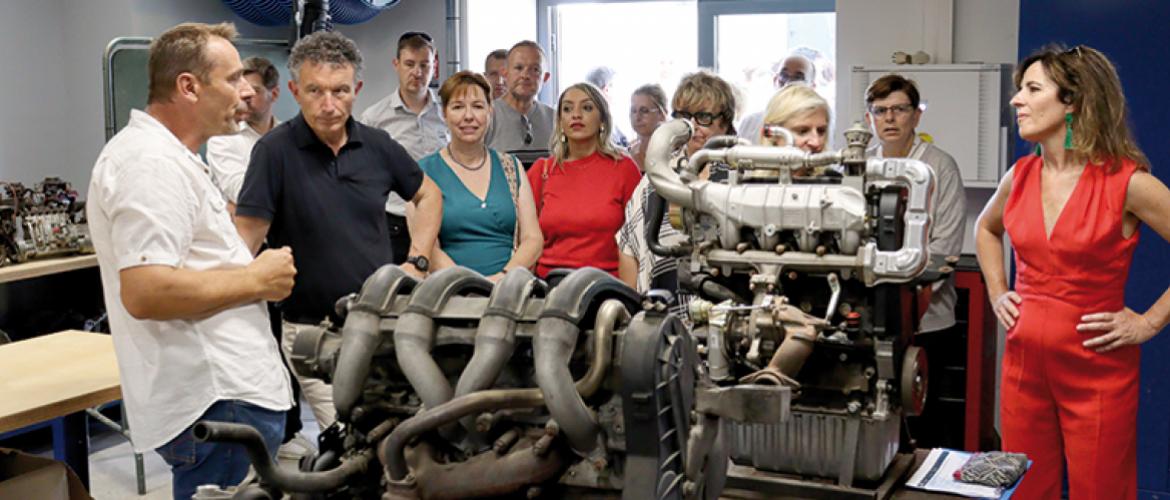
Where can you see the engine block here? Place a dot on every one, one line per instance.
(45, 221)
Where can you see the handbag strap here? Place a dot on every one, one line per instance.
(508, 162)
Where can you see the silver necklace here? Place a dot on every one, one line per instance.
(482, 161)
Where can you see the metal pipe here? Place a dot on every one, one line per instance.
(907, 262)
(495, 338)
(486, 474)
(770, 131)
(360, 335)
(553, 348)
(454, 37)
(415, 334)
(609, 315)
(391, 452)
(668, 137)
(284, 479)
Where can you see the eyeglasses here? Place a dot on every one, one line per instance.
(701, 118)
(643, 111)
(786, 77)
(898, 109)
(527, 130)
(411, 34)
(1075, 50)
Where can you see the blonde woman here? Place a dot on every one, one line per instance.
(803, 112)
(581, 190)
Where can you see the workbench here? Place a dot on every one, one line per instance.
(55, 378)
(38, 268)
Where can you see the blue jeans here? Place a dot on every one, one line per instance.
(224, 464)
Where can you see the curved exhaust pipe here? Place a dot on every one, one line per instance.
(360, 335)
(284, 479)
(669, 137)
(554, 345)
(910, 260)
(495, 338)
(414, 335)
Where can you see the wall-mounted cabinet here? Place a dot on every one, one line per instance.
(966, 113)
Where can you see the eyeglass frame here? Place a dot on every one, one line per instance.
(649, 110)
(699, 118)
(898, 109)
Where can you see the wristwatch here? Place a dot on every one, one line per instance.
(420, 262)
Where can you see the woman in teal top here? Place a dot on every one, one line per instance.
(489, 216)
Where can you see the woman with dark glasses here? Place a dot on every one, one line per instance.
(709, 103)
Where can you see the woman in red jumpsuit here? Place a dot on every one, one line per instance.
(1069, 392)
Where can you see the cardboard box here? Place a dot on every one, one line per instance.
(29, 476)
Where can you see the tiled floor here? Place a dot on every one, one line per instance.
(111, 465)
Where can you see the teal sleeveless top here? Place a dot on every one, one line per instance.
(476, 233)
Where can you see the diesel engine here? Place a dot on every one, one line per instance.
(797, 275)
(805, 269)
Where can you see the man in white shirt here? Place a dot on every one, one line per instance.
(228, 155)
(519, 121)
(413, 117)
(185, 296)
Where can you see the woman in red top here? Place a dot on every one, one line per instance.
(582, 189)
(1070, 367)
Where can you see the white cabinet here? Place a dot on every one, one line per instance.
(967, 112)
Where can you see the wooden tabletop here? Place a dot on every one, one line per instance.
(35, 268)
(54, 375)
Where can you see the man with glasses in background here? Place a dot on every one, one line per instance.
(793, 69)
(520, 122)
(892, 104)
(412, 116)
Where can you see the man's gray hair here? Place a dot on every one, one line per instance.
(325, 47)
(601, 76)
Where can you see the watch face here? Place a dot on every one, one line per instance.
(420, 262)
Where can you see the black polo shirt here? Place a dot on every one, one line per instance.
(330, 209)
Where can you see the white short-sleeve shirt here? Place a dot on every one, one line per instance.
(152, 202)
(228, 157)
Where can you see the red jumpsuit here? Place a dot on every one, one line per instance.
(1060, 400)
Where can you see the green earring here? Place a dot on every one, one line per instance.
(1068, 133)
(1039, 151)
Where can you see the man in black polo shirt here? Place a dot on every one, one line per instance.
(318, 184)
